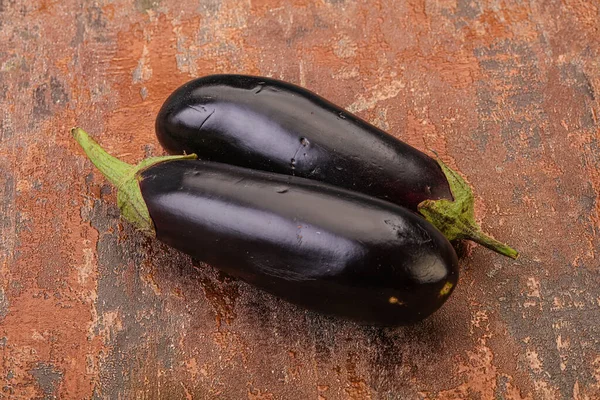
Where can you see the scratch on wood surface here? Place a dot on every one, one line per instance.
(376, 94)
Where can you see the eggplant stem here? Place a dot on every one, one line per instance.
(115, 170)
(125, 177)
(456, 218)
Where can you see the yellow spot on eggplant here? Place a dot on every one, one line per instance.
(446, 289)
(394, 300)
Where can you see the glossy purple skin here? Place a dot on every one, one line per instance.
(315, 245)
(266, 124)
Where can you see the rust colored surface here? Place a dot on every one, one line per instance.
(505, 91)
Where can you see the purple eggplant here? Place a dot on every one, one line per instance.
(325, 248)
(270, 125)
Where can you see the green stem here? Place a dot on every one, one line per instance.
(493, 244)
(115, 170)
(125, 177)
(456, 218)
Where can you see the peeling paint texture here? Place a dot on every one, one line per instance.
(507, 92)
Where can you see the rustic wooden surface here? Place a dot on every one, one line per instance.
(506, 92)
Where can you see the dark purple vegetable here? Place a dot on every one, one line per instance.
(316, 245)
(270, 125)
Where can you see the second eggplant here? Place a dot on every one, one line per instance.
(325, 248)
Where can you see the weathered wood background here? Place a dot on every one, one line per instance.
(506, 92)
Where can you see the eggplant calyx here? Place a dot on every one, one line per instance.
(456, 218)
(125, 177)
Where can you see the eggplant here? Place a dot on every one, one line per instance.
(271, 125)
(328, 249)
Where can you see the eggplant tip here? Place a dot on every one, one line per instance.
(446, 289)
